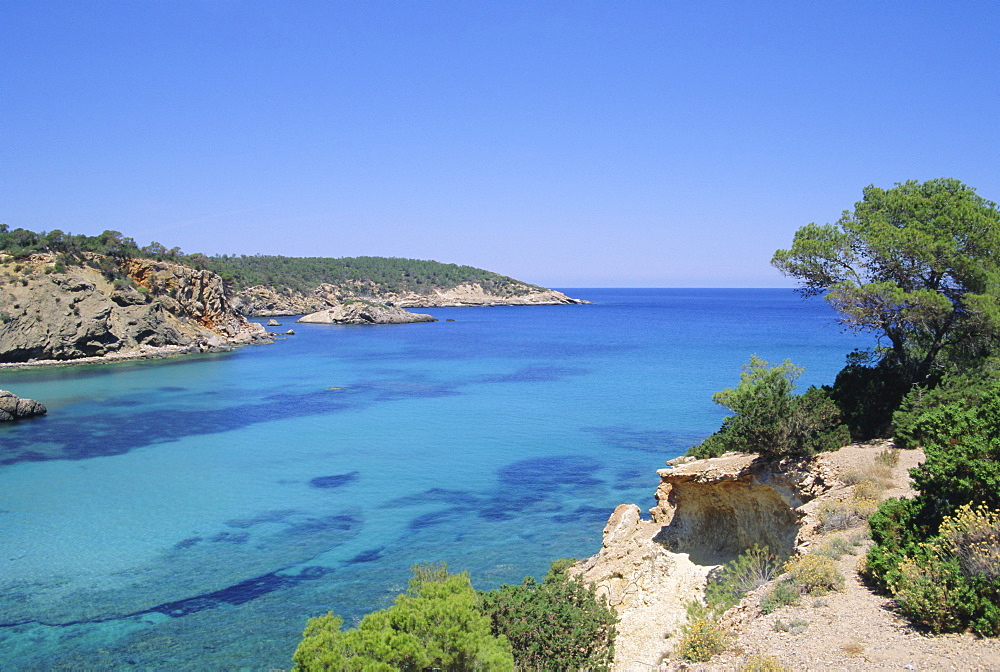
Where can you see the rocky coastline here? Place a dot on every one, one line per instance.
(51, 315)
(706, 513)
(75, 315)
(265, 301)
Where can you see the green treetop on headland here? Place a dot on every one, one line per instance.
(918, 264)
(390, 273)
(303, 274)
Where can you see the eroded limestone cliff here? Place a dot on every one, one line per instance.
(50, 313)
(707, 512)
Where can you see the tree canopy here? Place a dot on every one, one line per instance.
(379, 274)
(918, 264)
(558, 625)
(435, 624)
(767, 418)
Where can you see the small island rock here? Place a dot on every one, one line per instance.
(364, 312)
(273, 323)
(14, 408)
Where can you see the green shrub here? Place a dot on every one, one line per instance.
(965, 390)
(559, 624)
(795, 626)
(770, 419)
(436, 623)
(953, 582)
(751, 570)
(897, 527)
(701, 639)
(888, 457)
(867, 391)
(837, 547)
(784, 593)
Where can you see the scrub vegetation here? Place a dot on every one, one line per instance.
(918, 265)
(441, 622)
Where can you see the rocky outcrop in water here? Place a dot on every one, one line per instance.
(363, 312)
(14, 408)
(268, 301)
(77, 312)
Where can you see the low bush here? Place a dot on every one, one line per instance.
(761, 663)
(769, 419)
(973, 535)
(784, 593)
(701, 639)
(837, 547)
(953, 581)
(793, 627)
(888, 457)
(937, 553)
(835, 516)
(751, 570)
(814, 574)
(870, 489)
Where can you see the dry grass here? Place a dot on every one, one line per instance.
(853, 649)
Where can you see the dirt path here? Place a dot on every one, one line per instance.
(851, 629)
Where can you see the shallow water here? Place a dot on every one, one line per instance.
(193, 512)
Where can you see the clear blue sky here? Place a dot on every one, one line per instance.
(565, 143)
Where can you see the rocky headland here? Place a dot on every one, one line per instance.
(364, 312)
(50, 313)
(707, 512)
(263, 300)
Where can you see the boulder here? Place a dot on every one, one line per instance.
(13, 407)
(273, 323)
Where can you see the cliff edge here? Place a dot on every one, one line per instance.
(49, 312)
(707, 512)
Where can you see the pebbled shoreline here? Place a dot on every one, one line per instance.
(145, 352)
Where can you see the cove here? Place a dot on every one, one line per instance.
(194, 512)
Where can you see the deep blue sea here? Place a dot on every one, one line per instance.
(192, 513)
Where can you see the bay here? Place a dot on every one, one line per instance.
(192, 513)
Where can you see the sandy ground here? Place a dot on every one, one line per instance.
(852, 629)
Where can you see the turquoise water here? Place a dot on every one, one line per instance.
(192, 513)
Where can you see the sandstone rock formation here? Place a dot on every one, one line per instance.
(268, 301)
(363, 312)
(78, 313)
(707, 512)
(14, 408)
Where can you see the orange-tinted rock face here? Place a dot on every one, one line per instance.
(79, 313)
